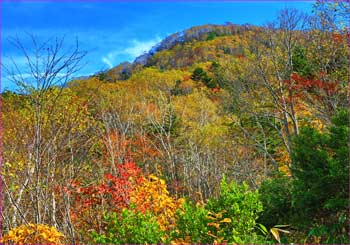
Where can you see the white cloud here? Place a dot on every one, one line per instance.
(107, 61)
(139, 48)
(133, 50)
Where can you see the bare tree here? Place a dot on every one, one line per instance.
(272, 64)
(49, 65)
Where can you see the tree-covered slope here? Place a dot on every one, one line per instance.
(219, 134)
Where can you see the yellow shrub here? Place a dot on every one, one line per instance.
(153, 196)
(33, 234)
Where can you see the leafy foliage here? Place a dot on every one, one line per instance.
(152, 196)
(235, 212)
(191, 224)
(276, 197)
(129, 227)
(315, 197)
(301, 64)
(33, 234)
(321, 174)
(113, 194)
(119, 151)
(200, 75)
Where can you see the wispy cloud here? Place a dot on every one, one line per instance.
(133, 50)
(107, 61)
(139, 48)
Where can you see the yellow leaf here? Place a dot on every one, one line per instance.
(44, 235)
(275, 234)
(216, 225)
(211, 234)
(226, 220)
(33, 233)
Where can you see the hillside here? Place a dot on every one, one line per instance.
(219, 134)
(185, 48)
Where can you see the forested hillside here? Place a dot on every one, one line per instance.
(219, 134)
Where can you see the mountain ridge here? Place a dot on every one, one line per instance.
(201, 33)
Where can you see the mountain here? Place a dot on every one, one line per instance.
(197, 33)
(215, 125)
(196, 44)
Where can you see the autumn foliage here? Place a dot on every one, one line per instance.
(138, 153)
(111, 194)
(33, 234)
(152, 196)
(299, 84)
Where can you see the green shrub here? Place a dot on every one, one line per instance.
(234, 213)
(320, 169)
(129, 227)
(191, 222)
(335, 233)
(200, 75)
(276, 197)
(300, 62)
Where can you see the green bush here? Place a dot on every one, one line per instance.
(234, 213)
(191, 222)
(300, 62)
(320, 168)
(129, 227)
(200, 75)
(335, 233)
(320, 187)
(276, 197)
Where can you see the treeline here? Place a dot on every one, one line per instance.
(231, 135)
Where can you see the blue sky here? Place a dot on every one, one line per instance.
(116, 31)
